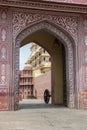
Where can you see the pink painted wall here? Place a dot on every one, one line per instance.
(71, 1)
(41, 83)
(10, 28)
(5, 59)
(80, 1)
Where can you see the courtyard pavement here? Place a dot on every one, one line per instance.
(35, 115)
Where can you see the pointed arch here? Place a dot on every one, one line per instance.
(70, 48)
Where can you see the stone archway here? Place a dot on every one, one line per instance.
(70, 49)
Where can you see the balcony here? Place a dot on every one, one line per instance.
(26, 76)
(26, 83)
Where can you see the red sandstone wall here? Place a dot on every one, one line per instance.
(71, 1)
(41, 83)
(80, 1)
(6, 86)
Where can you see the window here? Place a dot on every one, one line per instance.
(39, 53)
(39, 62)
(44, 58)
(50, 59)
(43, 50)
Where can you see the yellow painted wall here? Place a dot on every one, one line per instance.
(58, 76)
(36, 72)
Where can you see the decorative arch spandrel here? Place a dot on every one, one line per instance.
(22, 20)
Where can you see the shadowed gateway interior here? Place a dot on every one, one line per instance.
(58, 60)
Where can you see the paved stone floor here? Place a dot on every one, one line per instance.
(35, 115)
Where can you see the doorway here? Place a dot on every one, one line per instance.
(61, 49)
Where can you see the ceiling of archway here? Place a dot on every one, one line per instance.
(42, 38)
(39, 37)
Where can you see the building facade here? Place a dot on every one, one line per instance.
(41, 83)
(60, 26)
(39, 59)
(41, 64)
(26, 85)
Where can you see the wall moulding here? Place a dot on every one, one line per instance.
(45, 5)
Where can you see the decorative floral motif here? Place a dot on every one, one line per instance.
(3, 99)
(22, 20)
(3, 69)
(4, 15)
(85, 76)
(3, 53)
(85, 24)
(5, 47)
(85, 40)
(3, 75)
(86, 56)
(3, 35)
(83, 98)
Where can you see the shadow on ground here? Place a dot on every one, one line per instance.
(37, 105)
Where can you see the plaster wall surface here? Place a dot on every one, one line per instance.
(70, 1)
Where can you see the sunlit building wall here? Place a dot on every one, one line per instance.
(39, 59)
(26, 86)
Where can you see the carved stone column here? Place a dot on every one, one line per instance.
(5, 59)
